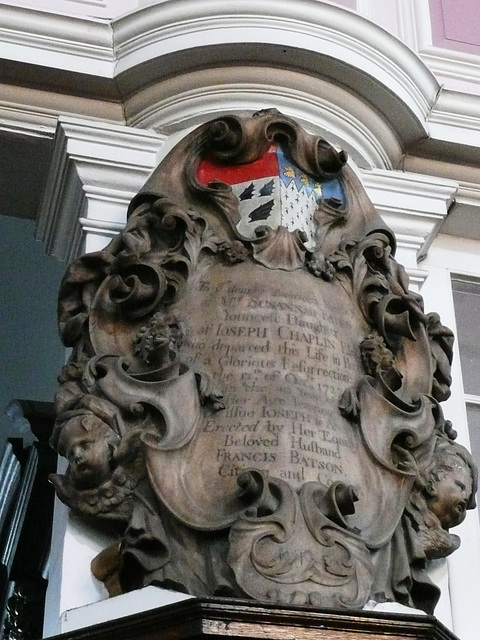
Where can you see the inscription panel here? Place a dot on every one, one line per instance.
(282, 351)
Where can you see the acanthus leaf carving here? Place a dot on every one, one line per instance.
(285, 549)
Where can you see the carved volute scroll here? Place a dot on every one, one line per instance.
(253, 392)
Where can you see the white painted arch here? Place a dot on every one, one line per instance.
(227, 47)
(323, 108)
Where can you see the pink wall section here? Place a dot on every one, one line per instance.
(456, 24)
(349, 4)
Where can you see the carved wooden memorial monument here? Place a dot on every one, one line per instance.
(253, 393)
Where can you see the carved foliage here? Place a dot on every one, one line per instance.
(296, 548)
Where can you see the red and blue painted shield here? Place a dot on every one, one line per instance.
(273, 191)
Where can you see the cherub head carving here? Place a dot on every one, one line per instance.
(450, 484)
(104, 466)
(445, 488)
(89, 445)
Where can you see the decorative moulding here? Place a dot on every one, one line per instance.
(100, 8)
(34, 112)
(72, 55)
(73, 43)
(443, 168)
(226, 619)
(333, 42)
(17, 118)
(463, 218)
(181, 102)
(414, 27)
(456, 120)
(325, 34)
(414, 206)
(82, 45)
(459, 69)
(95, 171)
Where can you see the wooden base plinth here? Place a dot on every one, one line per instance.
(223, 618)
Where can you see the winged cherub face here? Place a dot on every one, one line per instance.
(88, 444)
(450, 489)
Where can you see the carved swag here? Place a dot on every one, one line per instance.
(253, 393)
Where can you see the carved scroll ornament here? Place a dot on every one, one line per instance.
(253, 392)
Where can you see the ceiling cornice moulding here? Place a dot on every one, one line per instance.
(33, 112)
(324, 109)
(326, 43)
(96, 170)
(71, 43)
(110, 49)
(413, 205)
(452, 65)
(321, 29)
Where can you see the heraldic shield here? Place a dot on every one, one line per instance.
(253, 393)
